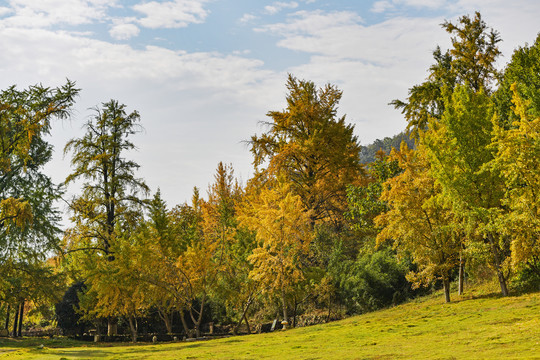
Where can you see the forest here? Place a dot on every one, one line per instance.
(324, 229)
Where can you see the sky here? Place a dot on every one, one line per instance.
(204, 73)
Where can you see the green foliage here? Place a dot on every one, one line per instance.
(470, 62)
(368, 153)
(110, 188)
(67, 311)
(364, 201)
(524, 71)
(371, 282)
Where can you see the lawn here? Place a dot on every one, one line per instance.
(477, 326)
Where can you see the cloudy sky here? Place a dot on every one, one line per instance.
(203, 73)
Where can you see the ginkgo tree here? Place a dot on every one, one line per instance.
(419, 221)
(518, 151)
(312, 148)
(282, 226)
(459, 150)
(110, 202)
(110, 189)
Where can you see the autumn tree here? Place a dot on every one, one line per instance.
(283, 235)
(316, 151)
(518, 151)
(419, 221)
(459, 151)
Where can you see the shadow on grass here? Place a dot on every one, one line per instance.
(126, 350)
(29, 342)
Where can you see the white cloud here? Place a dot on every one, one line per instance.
(247, 18)
(171, 14)
(196, 107)
(123, 31)
(278, 6)
(431, 4)
(46, 13)
(4, 10)
(381, 6)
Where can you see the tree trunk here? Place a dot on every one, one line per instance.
(21, 313)
(284, 303)
(498, 267)
(243, 317)
(294, 312)
(199, 319)
(461, 273)
(112, 326)
(247, 324)
(167, 319)
(502, 282)
(184, 323)
(8, 309)
(133, 328)
(15, 321)
(446, 286)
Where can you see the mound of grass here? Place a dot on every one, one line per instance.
(479, 325)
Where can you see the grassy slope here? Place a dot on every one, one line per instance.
(476, 326)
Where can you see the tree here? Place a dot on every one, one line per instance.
(459, 150)
(470, 62)
(109, 204)
(28, 216)
(524, 71)
(25, 117)
(316, 153)
(518, 151)
(418, 220)
(110, 185)
(283, 235)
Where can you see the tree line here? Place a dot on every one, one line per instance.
(316, 230)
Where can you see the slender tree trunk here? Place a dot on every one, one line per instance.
(112, 326)
(21, 313)
(199, 319)
(498, 267)
(446, 286)
(133, 328)
(294, 312)
(244, 317)
(184, 323)
(15, 321)
(247, 324)
(8, 309)
(461, 273)
(167, 319)
(284, 303)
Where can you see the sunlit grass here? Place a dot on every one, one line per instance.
(480, 325)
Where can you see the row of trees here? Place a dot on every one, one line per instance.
(468, 190)
(314, 229)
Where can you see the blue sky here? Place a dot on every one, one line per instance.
(203, 73)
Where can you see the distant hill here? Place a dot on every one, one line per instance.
(367, 153)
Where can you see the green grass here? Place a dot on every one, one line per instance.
(476, 326)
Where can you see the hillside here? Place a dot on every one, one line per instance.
(478, 325)
(367, 153)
